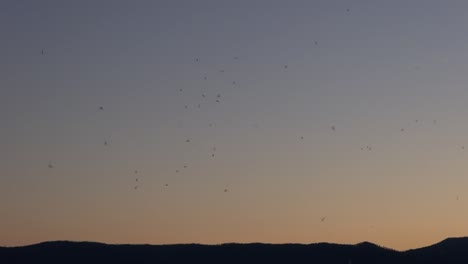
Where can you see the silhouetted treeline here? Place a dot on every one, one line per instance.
(454, 250)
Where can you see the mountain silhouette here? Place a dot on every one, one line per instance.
(448, 251)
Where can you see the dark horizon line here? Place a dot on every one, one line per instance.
(363, 243)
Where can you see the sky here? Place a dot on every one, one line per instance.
(233, 121)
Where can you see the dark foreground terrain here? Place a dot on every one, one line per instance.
(452, 250)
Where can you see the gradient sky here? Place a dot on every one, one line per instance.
(375, 70)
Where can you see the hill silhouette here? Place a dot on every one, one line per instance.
(452, 250)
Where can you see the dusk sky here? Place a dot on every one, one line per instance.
(355, 111)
